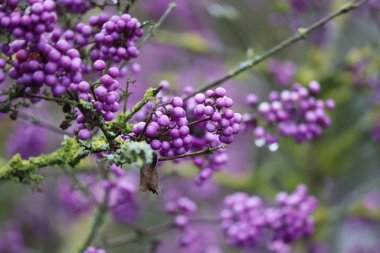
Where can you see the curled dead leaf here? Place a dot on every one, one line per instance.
(149, 177)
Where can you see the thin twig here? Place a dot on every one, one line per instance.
(147, 97)
(54, 99)
(97, 223)
(41, 123)
(300, 35)
(198, 121)
(153, 231)
(153, 30)
(197, 153)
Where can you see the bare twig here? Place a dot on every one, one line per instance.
(153, 231)
(97, 223)
(40, 123)
(197, 153)
(300, 35)
(152, 31)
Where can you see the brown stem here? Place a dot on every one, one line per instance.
(198, 121)
(197, 153)
(58, 100)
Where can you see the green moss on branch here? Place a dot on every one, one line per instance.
(70, 153)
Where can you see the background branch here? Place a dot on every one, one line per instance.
(197, 153)
(300, 35)
(153, 231)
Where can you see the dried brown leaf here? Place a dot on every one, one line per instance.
(149, 177)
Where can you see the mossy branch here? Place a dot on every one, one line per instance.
(71, 153)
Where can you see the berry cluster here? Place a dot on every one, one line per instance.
(122, 189)
(217, 125)
(211, 163)
(12, 238)
(74, 202)
(3, 63)
(104, 98)
(54, 64)
(243, 220)
(295, 113)
(168, 130)
(291, 220)
(29, 23)
(76, 6)
(183, 208)
(222, 121)
(116, 39)
(246, 220)
(94, 250)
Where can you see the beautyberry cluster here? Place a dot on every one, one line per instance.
(94, 250)
(243, 220)
(294, 113)
(73, 201)
(216, 124)
(292, 219)
(210, 163)
(212, 124)
(28, 23)
(168, 130)
(121, 188)
(246, 221)
(116, 39)
(51, 63)
(104, 98)
(3, 63)
(183, 208)
(76, 6)
(221, 120)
